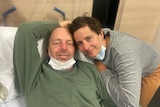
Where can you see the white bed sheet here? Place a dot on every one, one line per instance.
(6, 65)
(16, 102)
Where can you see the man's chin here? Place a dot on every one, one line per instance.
(64, 59)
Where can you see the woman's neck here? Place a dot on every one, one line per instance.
(106, 41)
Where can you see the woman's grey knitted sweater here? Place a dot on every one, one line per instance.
(128, 60)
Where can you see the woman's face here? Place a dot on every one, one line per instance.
(88, 41)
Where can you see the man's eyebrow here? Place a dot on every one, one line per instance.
(56, 39)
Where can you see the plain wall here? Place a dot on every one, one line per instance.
(140, 18)
(29, 10)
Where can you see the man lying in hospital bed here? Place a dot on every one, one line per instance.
(8, 94)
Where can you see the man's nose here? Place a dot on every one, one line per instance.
(64, 46)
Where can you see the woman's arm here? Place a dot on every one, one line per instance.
(123, 81)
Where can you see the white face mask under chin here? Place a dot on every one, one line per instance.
(101, 54)
(58, 65)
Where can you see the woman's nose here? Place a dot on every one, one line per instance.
(85, 46)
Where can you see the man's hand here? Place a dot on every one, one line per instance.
(101, 67)
(64, 23)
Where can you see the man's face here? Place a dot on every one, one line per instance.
(61, 45)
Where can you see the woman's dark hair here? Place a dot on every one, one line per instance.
(83, 21)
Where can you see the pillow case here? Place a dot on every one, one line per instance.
(7, 90)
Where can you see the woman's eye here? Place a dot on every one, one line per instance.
(88, 38)
(79, 44)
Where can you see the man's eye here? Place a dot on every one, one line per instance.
(56, 42)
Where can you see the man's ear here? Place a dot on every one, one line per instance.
(49, 54)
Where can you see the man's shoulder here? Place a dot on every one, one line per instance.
(88, 68)
(83, 63)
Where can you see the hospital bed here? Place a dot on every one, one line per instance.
(11, 98)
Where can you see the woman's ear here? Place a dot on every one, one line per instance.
(101, 34)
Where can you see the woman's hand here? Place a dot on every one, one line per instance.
(101, 67)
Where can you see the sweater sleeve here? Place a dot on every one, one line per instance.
(124, 81)
(26, 58)
(106, 99)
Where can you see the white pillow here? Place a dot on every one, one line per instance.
(7, 35)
